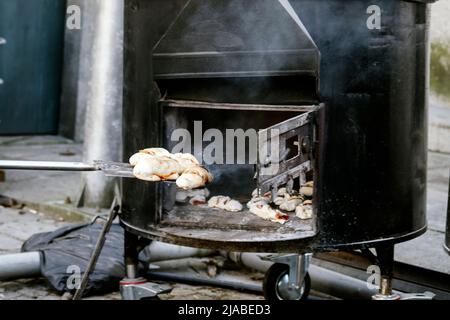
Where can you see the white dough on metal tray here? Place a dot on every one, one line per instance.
(304, 211)
(193, 178)
(184, 196)
(266, 212)
(185, 160)
(156, 169)
(225, 203)
(146, 153)
(290, 202)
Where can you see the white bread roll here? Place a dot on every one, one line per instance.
(258, 201)
(156, 169)
(186, 161)
(193, 178)
(288, 202)
(156, 152)
(289, 205)
(146, 153)
(307, 191)
(135, 158)
(184, 196)
(266, 212)
(304, 211)
(225, 203)
(197, 200)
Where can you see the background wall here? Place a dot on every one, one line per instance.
(77, 70)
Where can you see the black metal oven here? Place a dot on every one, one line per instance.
(349, 99)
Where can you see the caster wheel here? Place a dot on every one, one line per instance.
(276, 284)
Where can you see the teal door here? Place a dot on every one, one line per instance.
(31, 50)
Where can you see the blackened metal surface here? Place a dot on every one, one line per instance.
(234, 38)
(263, 90)
(192, 216)
(141, 121)
(236, 240)
(373, 165)
(372, 175)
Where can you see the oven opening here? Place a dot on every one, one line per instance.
(227, 139)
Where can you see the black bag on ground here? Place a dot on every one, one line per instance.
(65, 254)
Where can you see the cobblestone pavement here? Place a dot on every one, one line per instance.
(17, 225)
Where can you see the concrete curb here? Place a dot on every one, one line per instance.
(59, 211)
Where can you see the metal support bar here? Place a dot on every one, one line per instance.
(46, 165)
(385, 257)
(108, 168)
(97, 251)
(131, 255)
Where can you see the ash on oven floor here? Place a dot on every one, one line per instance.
(202, 222)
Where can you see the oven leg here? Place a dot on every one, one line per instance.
(133, 287)
(131, 255)
(385, 256)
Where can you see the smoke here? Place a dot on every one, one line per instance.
(240, 37)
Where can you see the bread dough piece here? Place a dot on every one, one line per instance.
(134, 160)
(186, 161)
(156, 169)
(264, 211)
(290, 203)
(184, 196)
(309, 184)
(146, 153)
(287, 202)
(305, 210)
(282, 192)
(218, 201)
(279, 200)
(258, 200)
(225, 203)
(307, 191)
(198, 200)
(156, 152)
(193, 178)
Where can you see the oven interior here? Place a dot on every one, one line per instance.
(211, 128)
